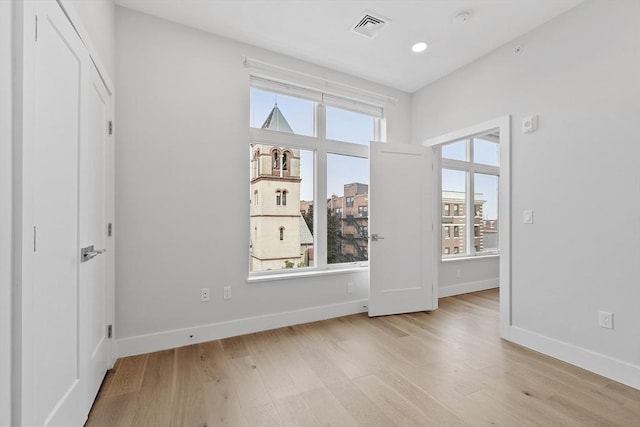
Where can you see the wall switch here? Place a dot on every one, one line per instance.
(204, 295)
(227, 292)
(605, 319)
(527, 217)
(350, 287)
(529, 124)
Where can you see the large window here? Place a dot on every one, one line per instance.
(469, 176)
(318, 216)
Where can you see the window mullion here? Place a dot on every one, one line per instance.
(320, 211)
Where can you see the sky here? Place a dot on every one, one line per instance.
(342, 125)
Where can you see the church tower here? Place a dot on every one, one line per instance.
(276, 223)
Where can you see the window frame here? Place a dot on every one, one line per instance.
(321, 147)
(468, 207)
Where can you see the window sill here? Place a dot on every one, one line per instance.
(303, 274)
(469, 258)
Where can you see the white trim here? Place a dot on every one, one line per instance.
(180, 337)
(272, 276)
(465, 288)
(615, 369)
(6, 208)
(503, 125)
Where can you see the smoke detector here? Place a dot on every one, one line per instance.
(369, 24)
(462, 17)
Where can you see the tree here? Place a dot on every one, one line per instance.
(334, 235)
(334, 238)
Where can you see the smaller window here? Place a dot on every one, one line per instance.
(338, 212)
(285, 157)
(363, 211)
(456, 250)
(447, 232)
(278, 198)
(447, 209)
(255, 197)
(447, 251)
(476, 231)
(276, 162)
(284, 198)
(349, 201)
(456, 209)
(281, 233)
(364, 231)
(477, 248)
(456, 231)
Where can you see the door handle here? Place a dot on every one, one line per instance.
(89, 252)
(375, 237)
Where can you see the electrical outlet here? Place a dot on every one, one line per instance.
(605, 320)
(350, 287)
(204, 295)
(227, 292)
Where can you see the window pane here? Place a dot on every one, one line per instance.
(454, 188)
(347, 209)
(343, 125)
(283, 113)
(486, 152)
(486, 212)
(281, 234)
(455, 150)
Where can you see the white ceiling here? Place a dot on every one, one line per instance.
(318, 31)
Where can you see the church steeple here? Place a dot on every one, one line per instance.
(276, 121)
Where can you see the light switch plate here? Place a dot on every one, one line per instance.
(527, 217)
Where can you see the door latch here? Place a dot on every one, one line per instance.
(89, 252)
(375, 237)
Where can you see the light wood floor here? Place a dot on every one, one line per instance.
(445, 368)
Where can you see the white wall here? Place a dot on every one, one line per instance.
(581, 74)
(6, 206)
(95, 20)
(470, 275)
(182, 193)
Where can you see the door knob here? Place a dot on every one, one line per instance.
(89, 252)
(375, 237)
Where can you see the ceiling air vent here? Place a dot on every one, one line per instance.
(369, 25)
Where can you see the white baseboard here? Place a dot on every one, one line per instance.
(465, 288)
(600, 364)
(180, 337)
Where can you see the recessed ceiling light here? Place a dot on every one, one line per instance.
(419, 47)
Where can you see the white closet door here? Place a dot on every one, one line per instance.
(53, 385)
(93, 232)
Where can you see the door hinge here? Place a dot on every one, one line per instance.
(109, 331)
(109, 229)
(35, 234)
(110, 127)
(36, 27)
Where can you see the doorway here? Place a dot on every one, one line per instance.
(472, 234)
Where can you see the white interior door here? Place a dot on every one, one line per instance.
(93, 232)
(55, 78)
(401, 258)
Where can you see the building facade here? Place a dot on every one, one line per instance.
(280, 237)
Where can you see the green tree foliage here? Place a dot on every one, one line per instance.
(334, 235)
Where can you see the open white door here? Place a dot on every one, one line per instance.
(401, 256)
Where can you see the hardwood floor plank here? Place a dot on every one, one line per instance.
(156, 392)
(128, 375)
(221, 404)
(188, 397)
